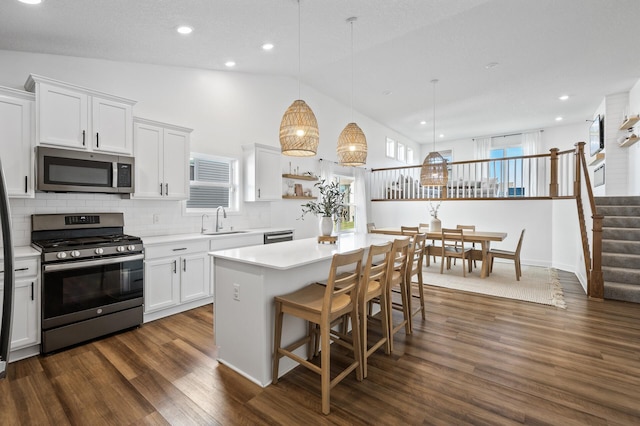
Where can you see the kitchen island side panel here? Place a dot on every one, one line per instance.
(244, 327)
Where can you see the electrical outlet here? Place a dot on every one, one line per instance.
(236, 291)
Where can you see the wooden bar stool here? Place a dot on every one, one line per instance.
(373, 288)
(414, 268)
(320, 305)
(397, 277)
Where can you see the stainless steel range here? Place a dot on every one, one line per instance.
(92, 277)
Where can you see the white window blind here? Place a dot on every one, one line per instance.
(211, 183)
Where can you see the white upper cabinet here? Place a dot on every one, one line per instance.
(75, 117)
(262, 173)
(16, 141)
(162, 160)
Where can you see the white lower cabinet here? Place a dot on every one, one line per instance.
(25, 324)
(176, 277)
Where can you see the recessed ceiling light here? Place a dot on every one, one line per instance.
(491, 65)
(30, 1)
(563, 97)
(230, 64)
(267, 46)
(441, 135)
(558, 118)
(423, 122)
(184, 29)
(387, 92)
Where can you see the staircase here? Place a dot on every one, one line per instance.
(620, 247)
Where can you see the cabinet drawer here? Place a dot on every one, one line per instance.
(175, 249)
(24, 268)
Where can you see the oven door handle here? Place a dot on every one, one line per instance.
(87, 263)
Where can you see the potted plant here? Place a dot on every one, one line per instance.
(329, 206)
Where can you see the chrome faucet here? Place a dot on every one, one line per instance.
(202, 227)
(224, 215)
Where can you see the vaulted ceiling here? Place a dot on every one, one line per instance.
(543, 49)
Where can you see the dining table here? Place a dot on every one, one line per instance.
(484, 238)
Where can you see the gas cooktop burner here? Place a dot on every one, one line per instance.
(96, 241)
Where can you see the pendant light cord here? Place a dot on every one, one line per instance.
(434, 81)
(299, 50)
(351, 22)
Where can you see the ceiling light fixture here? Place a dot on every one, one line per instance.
(30, 1)
(352, 143)
(299, 135)
(230, 64)
(491, 65)
(267, 46)
(558, 118)
(434, 167)
(184, 29)
(423, 122)
(563, 97)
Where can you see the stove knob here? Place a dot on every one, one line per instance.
(99, 250)
(120, 248)
(131, 247)
(61, 255)
(75, 253)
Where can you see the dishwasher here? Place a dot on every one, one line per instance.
(278, 236)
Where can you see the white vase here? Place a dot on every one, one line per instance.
(326, 225)
(435, 225)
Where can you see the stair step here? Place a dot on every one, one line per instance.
(632, 234)
(620, 246)
(621, 260)
(622, 291)
(618, 210)
(621, 222)
(617, 201)
(621, 275)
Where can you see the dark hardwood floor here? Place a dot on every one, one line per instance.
(475, 360)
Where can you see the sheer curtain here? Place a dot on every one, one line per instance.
(326, 170)
(533, 169)
(482, 152)
(361, 199)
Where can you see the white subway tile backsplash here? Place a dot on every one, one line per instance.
(138, 214)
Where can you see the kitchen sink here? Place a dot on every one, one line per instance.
(224, 232)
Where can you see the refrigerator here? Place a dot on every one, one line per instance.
(9, 277)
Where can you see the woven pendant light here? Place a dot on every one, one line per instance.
(352, 143)
(299, 135)
(434, 167)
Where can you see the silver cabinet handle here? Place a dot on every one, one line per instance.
(166, 189)
(175, 267)
(184, 265)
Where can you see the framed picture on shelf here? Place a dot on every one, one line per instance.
(298, 190)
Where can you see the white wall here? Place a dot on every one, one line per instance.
(633, 156)
(225, 109)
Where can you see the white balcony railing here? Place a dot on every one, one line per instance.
(531, 176)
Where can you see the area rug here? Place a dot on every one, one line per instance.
(537, 284)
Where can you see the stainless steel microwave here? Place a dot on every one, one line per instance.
(63, 170)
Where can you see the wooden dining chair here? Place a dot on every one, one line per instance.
(371, 226)
(409, 230)
(429, 248)
(504, 254)
(320, 305)
(414, 269)
(397, 280)
(453, 247)
(473, 245)
(373, 288)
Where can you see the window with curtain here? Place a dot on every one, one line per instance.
(213, 182)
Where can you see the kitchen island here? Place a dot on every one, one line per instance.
(246, 281)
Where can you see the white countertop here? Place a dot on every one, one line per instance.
(21, 251)
(291, 254)
(162, 239)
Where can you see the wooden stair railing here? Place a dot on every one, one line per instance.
(595, 280)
